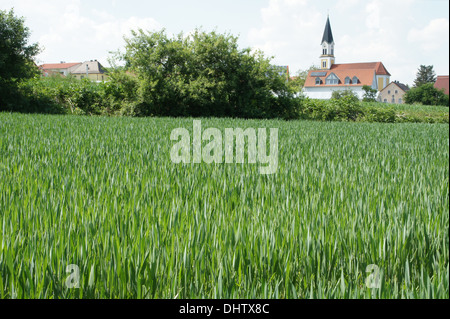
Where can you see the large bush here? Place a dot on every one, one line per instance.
(426, 94)
(205, 74)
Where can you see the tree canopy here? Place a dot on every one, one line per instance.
(205, 74)
(426, 94)
(425, 74)
(16, 55)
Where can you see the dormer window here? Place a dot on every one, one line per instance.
(347, 80)
(332, 79)
(318, 81)
(355, 80)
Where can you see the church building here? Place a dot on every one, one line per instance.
(320, 84)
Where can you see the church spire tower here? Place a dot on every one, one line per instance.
(327, 58)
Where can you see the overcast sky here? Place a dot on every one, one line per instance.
(402, 34)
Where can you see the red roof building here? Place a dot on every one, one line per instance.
(58, 68)
(442, 83)
(320, 84)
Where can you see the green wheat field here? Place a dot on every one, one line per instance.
(102, 194)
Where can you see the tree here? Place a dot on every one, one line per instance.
(425, 75)
(347, 94)
(370, 94)
(426, 94)
(297, 82)
(204, 74)
(16, 57)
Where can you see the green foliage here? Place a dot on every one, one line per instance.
(346, 108)
(381, 115)
(425, 75)
(348, 94)
(204, 74)
(69, 95)
(297, 82)
(426, 94)
(370, 95)
(16, 58)
(101, 193)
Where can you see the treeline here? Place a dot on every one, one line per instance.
(195, 75)
(120, 97)
(200, 74)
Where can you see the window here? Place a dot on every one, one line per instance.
(389, 92)
(318, 81)
(400, 101)
(396, 91)
(332, 79)
(324, 64)
(385, 100)
(324, 51)
(355, 80)
(347, 80)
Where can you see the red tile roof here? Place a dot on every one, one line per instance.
(442, 83)
(51, 66)
(377, 66)
(365, 72)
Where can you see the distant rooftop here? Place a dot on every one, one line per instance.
(442, 82)
(93, 67)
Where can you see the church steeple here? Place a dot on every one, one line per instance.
(327, 34)
(327, 58)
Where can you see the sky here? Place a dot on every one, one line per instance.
(403, 34)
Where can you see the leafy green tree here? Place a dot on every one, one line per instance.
(370, 94)
(204, 74)
(426, 94)
(16, 57)
(347, 93)
(425, 75)
(297, 82)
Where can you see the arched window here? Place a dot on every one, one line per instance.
(332, 79)
(347, 80)
(355, 80)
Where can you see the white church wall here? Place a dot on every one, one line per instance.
(324, 93)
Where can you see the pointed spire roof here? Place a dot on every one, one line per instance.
(327, 34)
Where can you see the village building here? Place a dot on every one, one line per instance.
(442, 83)
(320, 84)
(91, 70)
(393, 93)
(62, 68)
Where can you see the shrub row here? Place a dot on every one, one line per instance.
(120, 97)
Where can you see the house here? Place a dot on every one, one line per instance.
(442, 83)
(62, 68)
(320, 84)
(91, 70)
(393, 93)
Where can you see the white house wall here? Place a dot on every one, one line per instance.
(324, 93)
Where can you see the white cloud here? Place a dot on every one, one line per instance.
(373, 10)
(289, 28)
(70, 34)
(432, 37)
